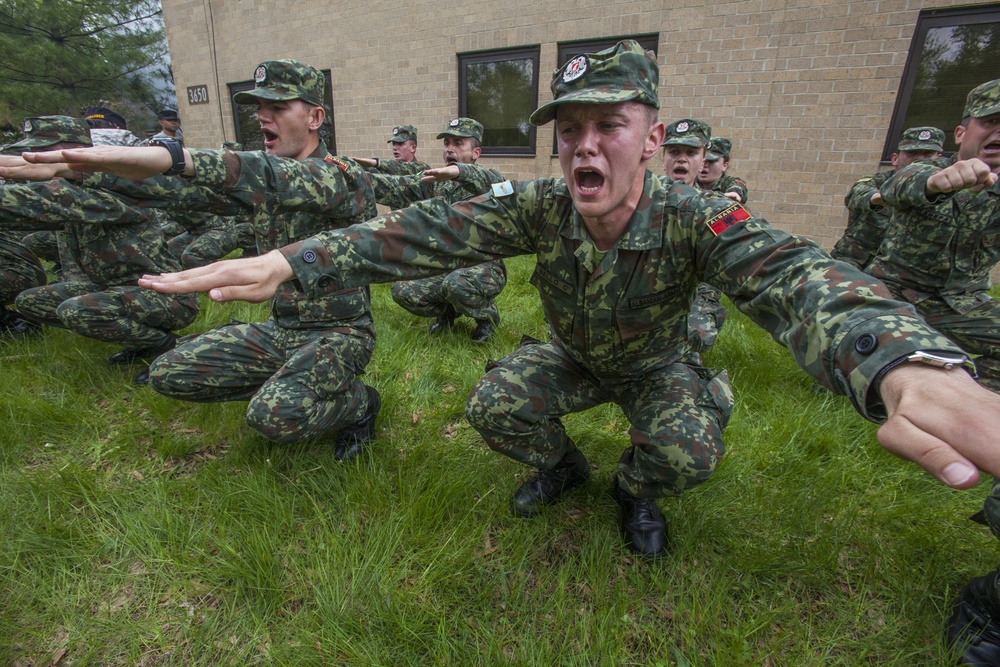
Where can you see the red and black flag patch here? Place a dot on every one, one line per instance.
(723, 220)
(337, 161)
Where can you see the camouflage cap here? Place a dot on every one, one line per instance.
(719, 148)
(983, 100)
(104, 113)
(688, 132)
(285, 80)
(922, 139)
(403, 133)
(624, 72)
(44, 131)
(463, 127)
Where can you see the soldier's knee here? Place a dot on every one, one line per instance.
(260, 417)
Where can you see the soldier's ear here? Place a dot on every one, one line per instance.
(653, 140)
(959, 134)
(316, 117)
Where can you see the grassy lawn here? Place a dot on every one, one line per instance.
(138, 530)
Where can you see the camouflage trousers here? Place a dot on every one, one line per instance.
(851, 251)
(977, 331)
(706, 317)
(677, 416)
(54, 247)
(300, 382)
(19, 268)
(195, 250)
(469, 291)
(127, 315)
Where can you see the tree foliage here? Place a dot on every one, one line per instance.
(60, 56)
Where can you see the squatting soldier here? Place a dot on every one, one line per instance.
(867, 214)
(19, 270)
(404, 154)
(113, 244)
(937, 254)
(469, 291)
(620, 252)
(299, 369)
(713, 175)
(685, 147)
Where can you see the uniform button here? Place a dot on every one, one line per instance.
(324, 281)
(309, 257)
(866, 343)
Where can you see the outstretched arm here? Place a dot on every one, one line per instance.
(943, 421)
(253, 279)
(135, 162)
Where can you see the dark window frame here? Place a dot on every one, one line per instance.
(327, 131)
(568, 50)
(927, 20)
(532, 53)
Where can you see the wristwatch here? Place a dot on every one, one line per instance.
(176, 155)
(944, 360)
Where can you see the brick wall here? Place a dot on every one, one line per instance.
(805, 88)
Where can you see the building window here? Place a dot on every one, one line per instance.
(500, 90)
(245, 118)
(569, 50)
(952, 52)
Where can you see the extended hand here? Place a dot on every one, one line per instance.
(440, 174)
(943, 421)
(16, 168)
(971, 173)
(135, 162)
(253, 279)
(735, 196)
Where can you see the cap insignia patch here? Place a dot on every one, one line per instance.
(260, 74)
(575, 69)
(682, 127)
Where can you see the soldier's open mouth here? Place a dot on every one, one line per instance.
(588, 180)
(269, 136)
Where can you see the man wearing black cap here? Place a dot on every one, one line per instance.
(170, 125)
(108, 128)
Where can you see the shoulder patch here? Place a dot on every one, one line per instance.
(337, 161)
(504, 189)
(723, 220)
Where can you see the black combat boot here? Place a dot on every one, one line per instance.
(643, 526)
(353, 438)
(12, 325)
(547, 486)
(482, 332)
(974, 626)
(444, 321)
(128, 355)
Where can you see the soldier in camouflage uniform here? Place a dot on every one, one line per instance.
(300, 368)
(469, 291)
(937, 254)
(19, 270)
(685, 147)
(867, 215)
(206, 237)
(112, 244)
(404, 159)
(713, 175)
(620, 252)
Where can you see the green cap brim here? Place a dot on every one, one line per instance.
(251, 97)
(32, 143)
(455, 133)
(547, 112)
(685, 141)
(920, 146)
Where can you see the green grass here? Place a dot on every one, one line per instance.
(138, 530)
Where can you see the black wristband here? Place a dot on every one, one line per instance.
(176, 155)
(943, 360)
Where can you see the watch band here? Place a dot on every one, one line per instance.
(176, 155)
(943, 360)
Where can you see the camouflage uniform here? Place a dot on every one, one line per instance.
(469, 291)
(205, 239)
(707, 314)
(113, 245)
(400, 134)
(937, 254)
(19, 270)
(299, 369)
(722, 147)
(866, 224)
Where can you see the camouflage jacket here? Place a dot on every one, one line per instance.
(399, 167)
(113, 243)
(401, 191)
(866, 224)
(626, 314)
(944, 245)
(727, 183)
(229, 183)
